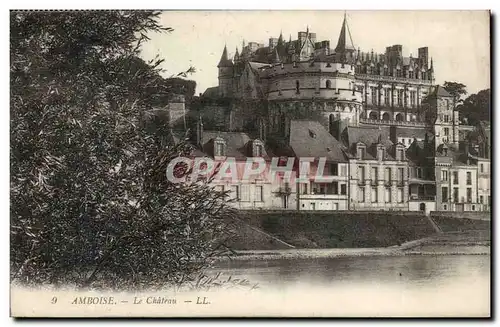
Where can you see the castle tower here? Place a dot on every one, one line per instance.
(445, 129)
(225, 74)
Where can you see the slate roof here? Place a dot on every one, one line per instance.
(441, 92)
(310, 139)
(418, 133)
(370, 137)
(238, 145)
(211, 92)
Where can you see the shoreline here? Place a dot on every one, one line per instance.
(412, 248)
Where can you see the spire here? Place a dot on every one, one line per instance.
(224, 60)
(344, 44)
(432, 65)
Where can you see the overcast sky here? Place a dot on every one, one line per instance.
(458, 41)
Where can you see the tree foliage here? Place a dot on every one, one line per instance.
(90, 203)
(456, 89)
(476, 107)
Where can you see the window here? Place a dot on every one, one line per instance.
(304, 188)
(258, 193)
(373, 91)
(362, 194)
(334, 169)
(343, 170)
(473, 207)
(446, 118)
(219, 149)
(335, 188)
(400, 97)
(444, 194)
(400, 154)
(387, 194)
(235, 192)
(361, 153)
(481, 199)
(387, 99)
(469, 178)
(446, 131)
(258, 150)
(375, 174)
(410, 74)
(469, 195)
(381, 153)
(361, 173)
(245, 193)
(445, 207)
(455, 194)
(455, 177)
(328, 84)
(401, 174)
(401, 195)
(297, 87)
(387, 174)
(481, 168)
(343, 189)
(444, 175)
(419, 172)
(374, 195)
(413, 98)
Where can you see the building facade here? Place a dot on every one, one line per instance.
(391, 138)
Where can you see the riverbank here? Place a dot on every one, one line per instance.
(292, 230)
(452, 243)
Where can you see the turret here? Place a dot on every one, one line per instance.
(225, 74)
(431, 71)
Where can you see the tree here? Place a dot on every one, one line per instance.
(456, 89)
(90, 202)
(476, 107)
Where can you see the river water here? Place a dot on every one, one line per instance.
(408, 285)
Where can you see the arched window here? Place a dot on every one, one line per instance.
(328, 84)
(373, 115)
(386, 117)
(422, 206)
(399, 117)
(297, 87)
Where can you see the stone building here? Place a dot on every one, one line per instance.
(392, 137)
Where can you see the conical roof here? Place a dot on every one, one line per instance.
(344, 43)
(224, 60)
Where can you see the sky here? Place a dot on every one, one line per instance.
(458, 41)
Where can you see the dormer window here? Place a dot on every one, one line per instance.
(361, 149)
(400, 153)
(380, 153)
(258, 149)
(220, 147)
